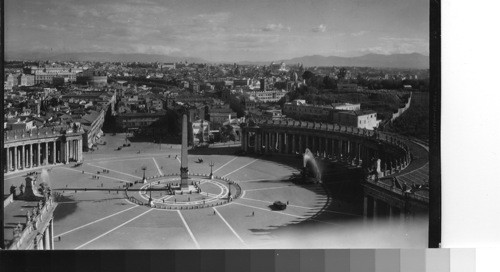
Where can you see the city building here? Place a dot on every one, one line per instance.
(347, 87)
(299, 109)
(201, 131)
(137, 120)
(267, 96)
(93, 78)
(366, 119)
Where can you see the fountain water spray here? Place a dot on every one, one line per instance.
(309, 158)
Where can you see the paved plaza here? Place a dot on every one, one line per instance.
(106, 219)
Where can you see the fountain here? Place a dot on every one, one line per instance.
(309, 159)
(45, 177)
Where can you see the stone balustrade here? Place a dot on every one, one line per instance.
(39, 222)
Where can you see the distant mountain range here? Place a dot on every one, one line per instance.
(102, 56)
(414, 60)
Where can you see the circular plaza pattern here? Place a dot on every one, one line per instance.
(94, 212)
(207, 192)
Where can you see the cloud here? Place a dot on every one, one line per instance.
(320, 28)
(276, 27)
(359, 33)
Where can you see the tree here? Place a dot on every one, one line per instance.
(227, 133)
(341, 74)
(307, 75)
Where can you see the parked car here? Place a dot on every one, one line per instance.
(278, 205)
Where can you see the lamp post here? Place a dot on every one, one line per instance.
(144, 168)
(211, 167)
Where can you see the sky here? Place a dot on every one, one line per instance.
(219, 30)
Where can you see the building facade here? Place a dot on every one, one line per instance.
(41, 147)
(361, 119)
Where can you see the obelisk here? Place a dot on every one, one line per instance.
(184, 154)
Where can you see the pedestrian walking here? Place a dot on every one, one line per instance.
(253, 213)
(287, 202)
(214, 212)
(59, 238)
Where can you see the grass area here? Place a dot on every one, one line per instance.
(384, 102)
(415, 121)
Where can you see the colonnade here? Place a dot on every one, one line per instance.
(30, 154)
(45, 239)
(354, 151)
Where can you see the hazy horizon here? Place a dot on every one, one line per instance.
(218, 30)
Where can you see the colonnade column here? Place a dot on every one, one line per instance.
(266, 141)
(38, 154)
(22, 158)
(80, 150)
(301, 144)
(16, 163)
(51, 233)
(66, 151)
(313, 146)
(8, 159)
(30, 156)
(259, 141)
(51, 152)
(46, 236)
(281, 138)
(46, 153)
(320, 146)
(333, 148)
(6, 151)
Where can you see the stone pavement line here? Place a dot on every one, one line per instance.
(113, 170)
(302, 207)
(227, 224)
(224, 165)
(240, 168)
(189, 230)
(293, 215)
(270, 188)
(142, 155)
(93, 222)
(121, 159)
(88, 173)
(157, 167)
(113, 229)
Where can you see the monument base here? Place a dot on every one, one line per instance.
(184, 178)
(185, 190)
